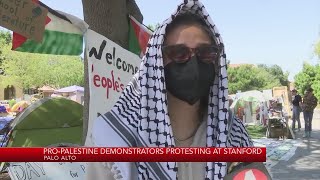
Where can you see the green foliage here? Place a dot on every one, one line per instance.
(308, 77)
(250, 77)
(277, 73)
(12, 102)
(256, 132)
(35, 70)
(5, 39)
(316, 84)
(153, 27)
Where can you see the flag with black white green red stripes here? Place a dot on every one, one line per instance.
(139, 36)
(63, 35)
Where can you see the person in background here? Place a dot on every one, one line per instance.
(309, 104)
(296, 109)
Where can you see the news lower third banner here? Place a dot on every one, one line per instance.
(118, 154)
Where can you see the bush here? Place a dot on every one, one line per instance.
(256, 131)
(12, 102)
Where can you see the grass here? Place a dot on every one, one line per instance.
(256, 131)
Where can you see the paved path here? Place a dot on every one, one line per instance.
(305, 164)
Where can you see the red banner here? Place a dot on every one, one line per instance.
(95, 154)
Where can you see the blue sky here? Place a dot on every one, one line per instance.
(279, 32)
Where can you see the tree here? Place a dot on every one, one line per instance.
(29, 70)
(109, 18)
(277, 73)
(153, 27)
(250, 77)
(5, 39)
(308, 77)
(316, 82)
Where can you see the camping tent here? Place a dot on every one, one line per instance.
(75, 93)
(46, 122)
(249, 102)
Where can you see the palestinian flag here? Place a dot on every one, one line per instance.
(139, 36)
(61, 36)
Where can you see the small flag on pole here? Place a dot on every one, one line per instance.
(139, 36)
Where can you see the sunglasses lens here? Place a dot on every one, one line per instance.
(181, 53)
(177, 53)
(208, 53)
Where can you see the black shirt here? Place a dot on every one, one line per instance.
(296, 100)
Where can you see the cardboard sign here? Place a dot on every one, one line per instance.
(282, 93)
(23, 17)
(47, 170)
(110, 69)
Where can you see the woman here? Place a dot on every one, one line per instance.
(178, 98)
(310, 102)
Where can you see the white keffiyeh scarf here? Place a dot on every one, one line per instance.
(140, 116)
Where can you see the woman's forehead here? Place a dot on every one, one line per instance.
(190, 35)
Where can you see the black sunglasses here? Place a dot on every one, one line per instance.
(180, 53)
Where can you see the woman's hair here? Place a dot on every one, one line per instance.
(310, 89)
(189, 19)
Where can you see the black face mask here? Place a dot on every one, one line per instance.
(189, 81)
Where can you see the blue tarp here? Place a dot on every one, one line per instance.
(3, 140)
(4, 121)
(3, 109)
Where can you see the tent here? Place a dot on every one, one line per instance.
(255, 97)
(47, 122)
(75, 93)
(250, 102)
(70, 89)
(46, 91)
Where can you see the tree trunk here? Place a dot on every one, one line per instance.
(110, 19)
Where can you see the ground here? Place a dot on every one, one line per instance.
(305, 164)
